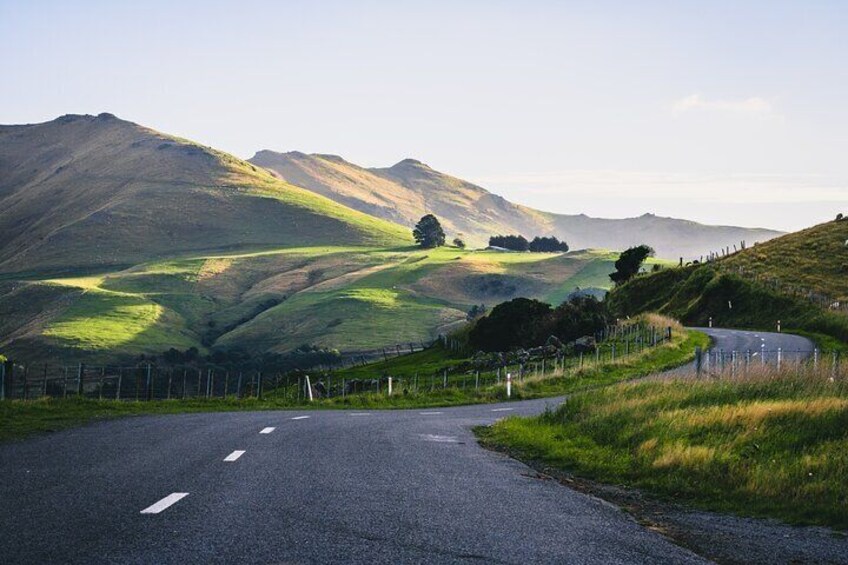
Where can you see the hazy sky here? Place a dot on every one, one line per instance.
(722, 112)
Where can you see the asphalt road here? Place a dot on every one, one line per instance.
(321, 486)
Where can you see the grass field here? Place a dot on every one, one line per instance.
(772, 445)
(350, 298)
(20, 418)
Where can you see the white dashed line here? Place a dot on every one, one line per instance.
(233, 456)
(169, 500)
(300, 417)
(439, 439)
(267, 430)
(360, 414)
(501, 409)
(430, 413)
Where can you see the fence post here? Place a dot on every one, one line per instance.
(2, 381)
(508, 385)
(445, 379)
(149, 382)
(815, 358)
(698, 361)
(259, 385)
(120, 382)
(80, 370)
(238, 386)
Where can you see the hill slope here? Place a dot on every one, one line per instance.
(800, 279)
(406, 191)
(83, 191)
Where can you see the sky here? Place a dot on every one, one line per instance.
(719, 112)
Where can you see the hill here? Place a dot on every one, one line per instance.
(409, 189)
(800, 279)
(355, 299)
(84, 192)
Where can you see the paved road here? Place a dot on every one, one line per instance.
(328, 486)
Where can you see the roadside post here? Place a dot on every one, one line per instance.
(390, 386)
(308, 388)
(711, 321)
(778, 326)
(508, 385)
(779, 357)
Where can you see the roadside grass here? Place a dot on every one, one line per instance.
(20, 419)
(771, 445)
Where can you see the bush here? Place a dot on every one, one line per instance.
(458, 243)
(511, 325)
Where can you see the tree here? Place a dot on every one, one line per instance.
(511, 242)
(547, 245)
(629, 263)
(428, 232)
(581, 315)
(521, 322)
(458, 243)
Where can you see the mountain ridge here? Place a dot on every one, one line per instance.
(474, 213)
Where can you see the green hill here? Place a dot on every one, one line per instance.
(356, 299)
(85, 192)
(800, 279)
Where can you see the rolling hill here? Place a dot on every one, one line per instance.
(119, 240)
(800, 278)
(84, 192)
(409, 189)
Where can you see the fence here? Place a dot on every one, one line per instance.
(152, 382)
(719, 362)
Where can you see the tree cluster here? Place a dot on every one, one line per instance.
(548, 245)
(520, 243)
(525, 323)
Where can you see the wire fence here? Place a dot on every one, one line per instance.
(718, 362)
(149, 381)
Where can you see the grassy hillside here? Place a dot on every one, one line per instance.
(406, 191)
(349, 298)
(85, 192)
(795, 279)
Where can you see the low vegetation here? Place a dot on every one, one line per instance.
(19, 418)
(771, 444)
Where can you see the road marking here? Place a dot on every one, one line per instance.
(233, 456)
(360, 414)
(430, 413)
(267, 430)
(300, 417)
(439, 439)
(169, 500)
(502, 409)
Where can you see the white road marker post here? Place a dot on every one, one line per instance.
(763, 354)
(508, 385)
(390, 386)
(778, 326)
(779, 357)
(308, 388)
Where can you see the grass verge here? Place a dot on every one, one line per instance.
(772, 445)
(19, 418)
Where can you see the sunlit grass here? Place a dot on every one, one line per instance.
(770, 444)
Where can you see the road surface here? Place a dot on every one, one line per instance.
(307, 487)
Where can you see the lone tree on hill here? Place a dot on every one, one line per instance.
(457, 242)
(428, 232)
(629, 263)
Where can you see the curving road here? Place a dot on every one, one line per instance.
(319, 486)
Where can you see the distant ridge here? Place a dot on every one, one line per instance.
(409, 189)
